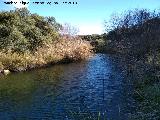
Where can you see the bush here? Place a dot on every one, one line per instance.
(29, 40)
(22, 31)
(60, 51)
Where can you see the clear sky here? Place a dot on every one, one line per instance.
(87, 15)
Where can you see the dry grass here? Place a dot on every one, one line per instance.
(65, 49)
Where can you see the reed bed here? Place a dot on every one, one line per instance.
(63, 50)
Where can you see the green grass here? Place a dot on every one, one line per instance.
(148, 96)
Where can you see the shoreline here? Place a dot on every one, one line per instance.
(38, 66)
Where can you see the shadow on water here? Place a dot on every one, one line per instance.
(89, 90)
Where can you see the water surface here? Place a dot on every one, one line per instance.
(76, 91)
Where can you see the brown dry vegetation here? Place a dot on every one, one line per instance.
(62, 50)
(29, 41)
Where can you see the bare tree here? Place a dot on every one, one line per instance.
(68, 29)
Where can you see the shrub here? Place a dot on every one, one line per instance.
(62, 50)
(22, 31)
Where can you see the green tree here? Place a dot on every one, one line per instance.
(22, 31)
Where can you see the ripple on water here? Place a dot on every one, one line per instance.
(65, 92)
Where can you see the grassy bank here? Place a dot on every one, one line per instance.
(147, 94)
(29, 41)
(60, 51)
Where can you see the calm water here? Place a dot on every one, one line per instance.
(87, 90)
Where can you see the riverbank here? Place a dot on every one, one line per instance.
(137, 42)
(29, 41)
(145, 81)
(63, 50)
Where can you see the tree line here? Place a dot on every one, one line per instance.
(135, 34)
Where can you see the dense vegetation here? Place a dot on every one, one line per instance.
(98, 41)
(135, 37)
(22, 31)
(29, 40)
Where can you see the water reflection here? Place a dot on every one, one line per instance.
(76, 91)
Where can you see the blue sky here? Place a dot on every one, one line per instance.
(87, 15)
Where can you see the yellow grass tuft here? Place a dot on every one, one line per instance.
(70, 49)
